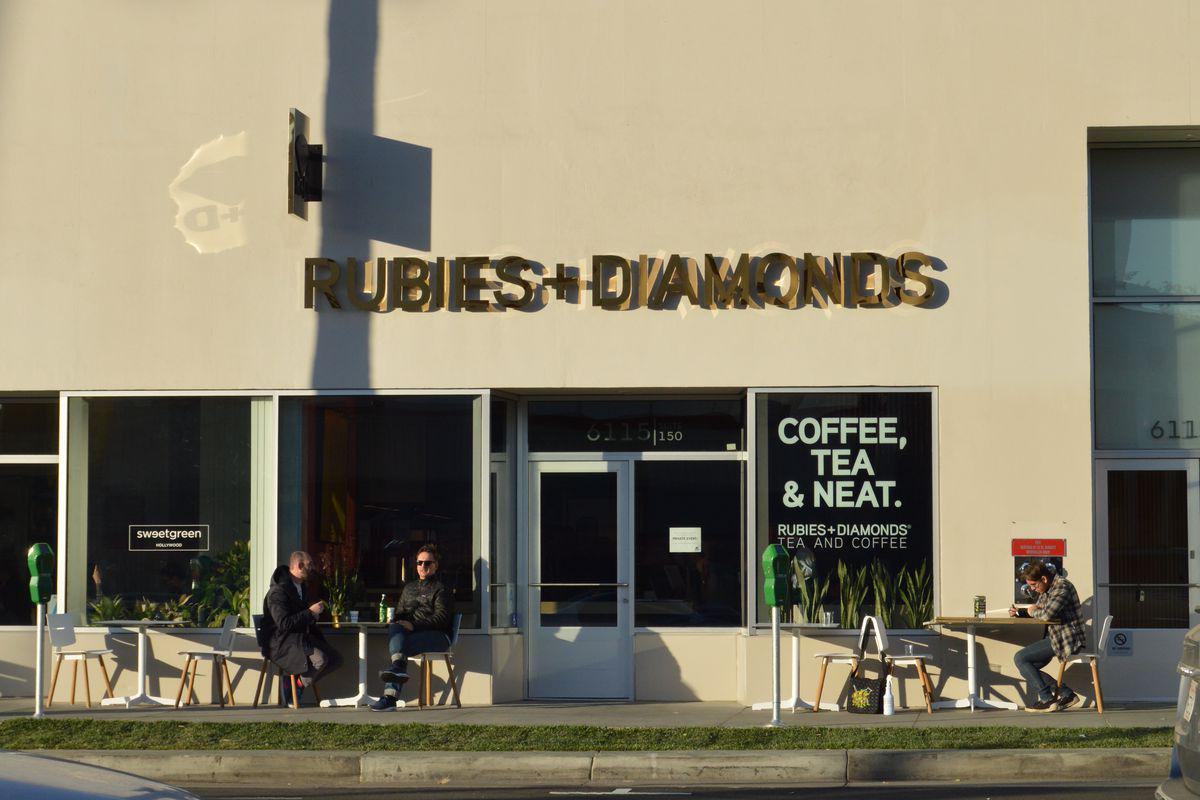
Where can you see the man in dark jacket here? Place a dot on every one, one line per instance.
(422, 625)
(290, 624)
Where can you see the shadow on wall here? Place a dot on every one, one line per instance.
(668, 685)
(375, 189)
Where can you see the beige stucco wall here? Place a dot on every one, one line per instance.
(508, 667)
(686, 666)
(557, 131)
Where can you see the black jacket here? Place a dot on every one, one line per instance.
(426, 604)
(289, 627)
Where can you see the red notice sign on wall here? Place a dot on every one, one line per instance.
(1039, 548)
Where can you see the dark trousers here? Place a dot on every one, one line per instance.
(1029, 661)
(322, 660)
(402, 644)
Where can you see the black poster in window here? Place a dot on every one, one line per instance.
(848, 476)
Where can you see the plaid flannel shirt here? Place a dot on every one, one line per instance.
(1061, 602)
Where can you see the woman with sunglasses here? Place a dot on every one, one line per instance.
(422, 625)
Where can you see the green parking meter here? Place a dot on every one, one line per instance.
(777, 576)
(40, 559)
(777, 593)
(41, 573)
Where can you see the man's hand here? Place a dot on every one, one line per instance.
(317, 607)
(1012, 611)
(408, 626)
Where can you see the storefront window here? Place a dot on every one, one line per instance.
(1145, 214)
(28, 514)
(1147, 389)
(845, 484)
(688, 543)
(28, 426)
(577, 426)
(161, 504)
(1145, 206)
(364, 482)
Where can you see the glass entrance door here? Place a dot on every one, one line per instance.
(580, 643)
(1146, 570)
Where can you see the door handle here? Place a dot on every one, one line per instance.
(581, 585)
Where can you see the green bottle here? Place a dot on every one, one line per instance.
(383, 608)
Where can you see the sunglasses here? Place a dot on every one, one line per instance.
(425, 563)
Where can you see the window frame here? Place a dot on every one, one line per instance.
(29, 459)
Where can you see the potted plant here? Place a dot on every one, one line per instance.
(341, 580)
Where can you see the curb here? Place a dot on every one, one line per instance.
(827, 767)
(1003, 765)
(721, 766)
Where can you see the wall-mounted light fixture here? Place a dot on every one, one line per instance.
(305, 170)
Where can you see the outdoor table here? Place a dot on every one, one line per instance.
(969, 624)
(362, 698)
(142, 698)
(795, 702)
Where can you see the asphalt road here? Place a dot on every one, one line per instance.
(940, 791)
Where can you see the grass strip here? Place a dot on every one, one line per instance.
(88, 734)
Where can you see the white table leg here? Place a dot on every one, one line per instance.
(795, 702)
(362, 698)
(143, 697)
(973, 700)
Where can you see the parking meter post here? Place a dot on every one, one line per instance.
(777, 592)
(775, 720)
(40, 560)
(39, 678)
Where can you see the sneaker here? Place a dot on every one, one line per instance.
(394, 675)
(1042, 706)
(1062, 704)
(385, 703)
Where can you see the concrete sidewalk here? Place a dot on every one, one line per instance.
(624, 715)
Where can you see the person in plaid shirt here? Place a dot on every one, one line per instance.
(1057, 600)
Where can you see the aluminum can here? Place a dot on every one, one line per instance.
(980, 605)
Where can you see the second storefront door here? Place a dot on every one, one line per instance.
(1147, 571)
(580, 620)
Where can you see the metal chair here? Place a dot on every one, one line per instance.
(1092, 659)
(849, 658)
(62, 635)
(425, 694)
(219, 656)
(918, 660)
(263, 644)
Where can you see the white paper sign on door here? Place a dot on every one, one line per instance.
(684, 540)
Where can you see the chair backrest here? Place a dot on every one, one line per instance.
(881, 640)
(1102, 639)
(260, 633)
(454, 626)
(62, 629)
(226, 640)
(880, 634)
